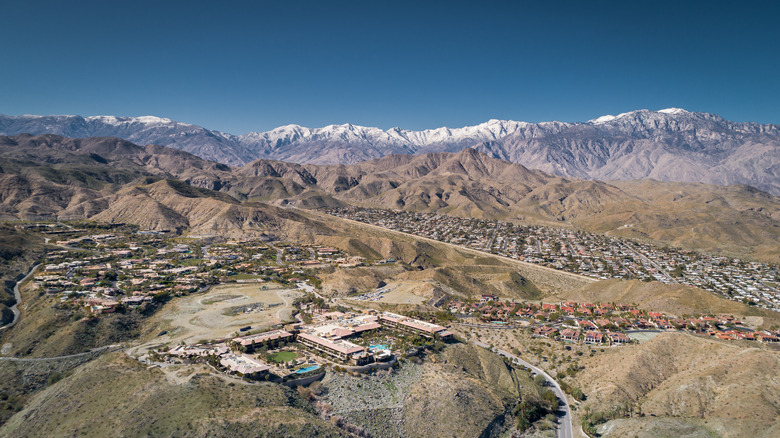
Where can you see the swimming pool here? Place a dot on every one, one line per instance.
(377, 347)
(307, 369)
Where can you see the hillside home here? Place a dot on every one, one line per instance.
(618, 338)
(592, 337)
(545, 331)
(570, 335)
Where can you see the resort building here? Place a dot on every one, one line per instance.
(415, 326)
(345, 327)
(338, 348)
(270, 339)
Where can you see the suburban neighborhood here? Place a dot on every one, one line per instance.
(588, 254)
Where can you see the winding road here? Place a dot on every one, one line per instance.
(286, 304)
(18, 296)
(565, 429)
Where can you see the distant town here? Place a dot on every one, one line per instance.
(588, 254)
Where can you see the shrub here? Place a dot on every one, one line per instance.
(54, 378)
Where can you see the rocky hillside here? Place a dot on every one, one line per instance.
(203, 142)
(19, 251)
(737, 219)
(116, 395)
(464, 391)
(667, 145)
(112, 180)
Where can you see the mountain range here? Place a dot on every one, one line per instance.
(666, 145)
(113, 180)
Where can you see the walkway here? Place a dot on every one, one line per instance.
(68, 356)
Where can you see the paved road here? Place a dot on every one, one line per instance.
(309, 289)
(279, 254)
(489, 246)
(650, 262)
(18, 296)
(565, 429)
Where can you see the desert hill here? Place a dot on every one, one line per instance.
(456, 270)
(19, 250)
(737, 219)
(463, 391)
(703, 384)
(112, 180)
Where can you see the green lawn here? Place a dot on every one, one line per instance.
(282, 356)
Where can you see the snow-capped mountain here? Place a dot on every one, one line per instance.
(347, 144)
(213, 145)
(669, 144)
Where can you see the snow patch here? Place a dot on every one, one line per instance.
(153, 119)
(146, 120)
(602, 119)
(672, 111)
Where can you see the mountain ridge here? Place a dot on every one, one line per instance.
(668, 145)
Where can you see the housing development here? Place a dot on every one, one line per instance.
(254, 310)
(599, 323)
(112, 266)
(588, 254)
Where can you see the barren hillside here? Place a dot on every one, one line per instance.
(706, 384)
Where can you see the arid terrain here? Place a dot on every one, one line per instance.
(223, 310)
(673, 382)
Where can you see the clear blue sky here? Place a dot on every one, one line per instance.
(251, 66)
